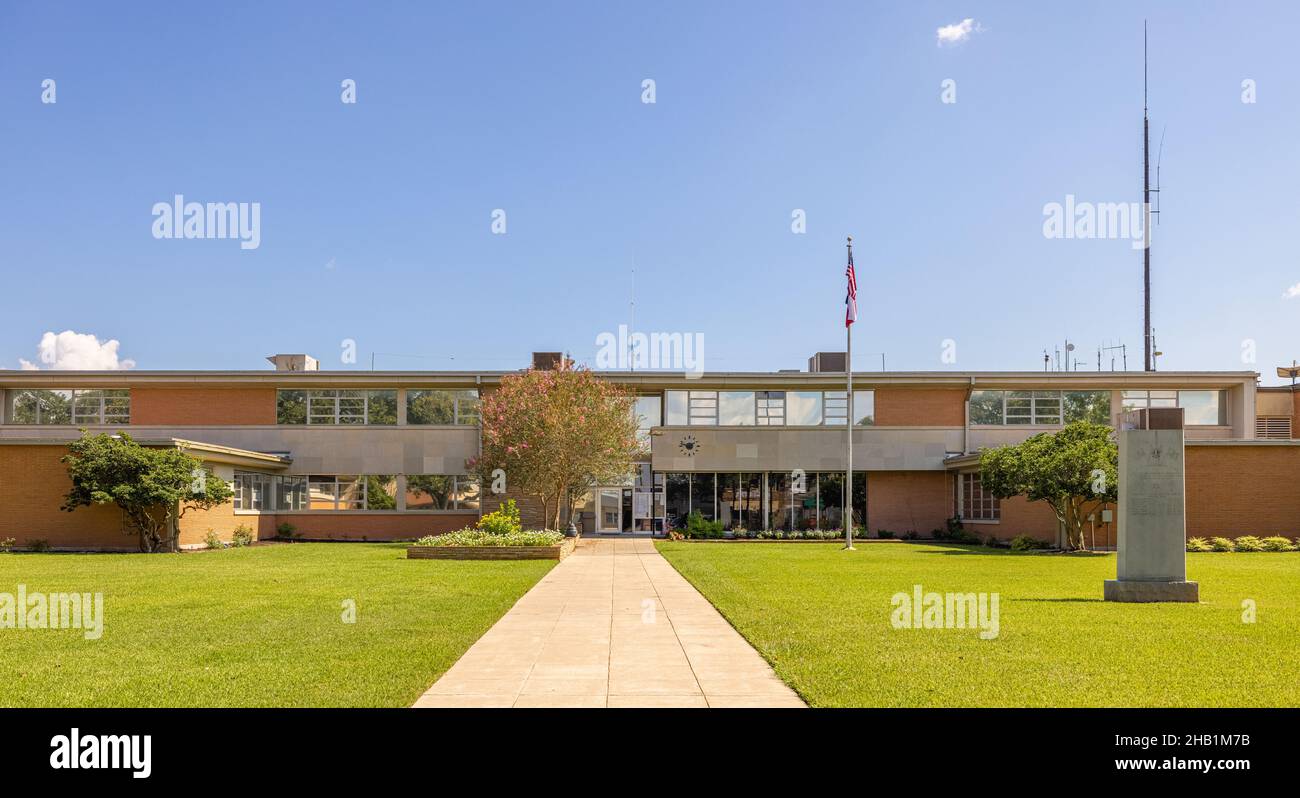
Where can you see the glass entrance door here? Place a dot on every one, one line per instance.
(609, 510)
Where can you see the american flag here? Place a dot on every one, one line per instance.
(851, 301)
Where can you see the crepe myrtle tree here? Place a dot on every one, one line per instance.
(1074, 470)
(555, 433)
(154, 487)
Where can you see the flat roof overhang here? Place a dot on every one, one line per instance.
(207, 452)
(636, 379)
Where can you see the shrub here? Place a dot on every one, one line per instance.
(698, 528)
(1220, 544)
(911, 534)
(7, 545)
(884, 533)
(481, 537)
(1277, 543)
(994, 543)
(287, 531)
(39, 545)
(242, 536)
(1249, 543)
(504, 521)
(213, 540)
(1198, 544)
(1026, 543)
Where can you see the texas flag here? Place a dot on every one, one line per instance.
(851, 301)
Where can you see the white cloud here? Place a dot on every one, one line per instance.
(1292, 292)
(70, 350)
(958, 32)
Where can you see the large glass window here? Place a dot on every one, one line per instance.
(335, 492)
(442, 492)
(381, 492)
(740, 501)
(339, 407)
(1205, 408)
(736, 408)
(702, 496)
(291, 407)
(677, 497)
(256, 491)
(81, 407)
(830, 499)
(1093, 406)
(803, 408)
(675, 403)
(779, 501)
(437, 407)
(803, 500)
(1015, 407)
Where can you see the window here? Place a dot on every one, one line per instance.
(332, 492)
(381, 492)
(1204, 408)
(736, 408)
(1093, 406)
(976, 503)
(1015, 407)
(702, 409)
(771, 408)
(291, 407)
(702, 496)
(1201, 408)
(835, 407)
(864, 408)
(442, 492)
(803, 408)
(648, 411)
(430, 407)
(269, 492)
(675, 408)
(80, 407)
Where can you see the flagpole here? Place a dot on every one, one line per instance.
(848, 443)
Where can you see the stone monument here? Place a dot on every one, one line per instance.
(1152, 535)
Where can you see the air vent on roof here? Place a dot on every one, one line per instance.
(827, 362)
(294, 363)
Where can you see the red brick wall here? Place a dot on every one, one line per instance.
(1243, 490)
(202, 406)
(903, 501)
(33, 483)
(920, 407)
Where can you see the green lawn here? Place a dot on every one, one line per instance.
(821, 616)
(258, 626)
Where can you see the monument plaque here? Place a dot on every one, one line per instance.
(1152, 529)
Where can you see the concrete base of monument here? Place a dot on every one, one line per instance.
(1141, 591)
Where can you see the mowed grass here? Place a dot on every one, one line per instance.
(821, 616)
(260, 626)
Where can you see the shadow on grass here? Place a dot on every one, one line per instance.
(1059, 600)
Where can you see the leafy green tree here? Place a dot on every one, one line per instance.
(556, 432)
(154, 487)
(1075, 471)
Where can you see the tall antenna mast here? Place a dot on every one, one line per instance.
(1146, 211)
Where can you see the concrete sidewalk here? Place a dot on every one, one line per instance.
(614, 625)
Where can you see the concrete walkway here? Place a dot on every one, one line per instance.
(614, 625)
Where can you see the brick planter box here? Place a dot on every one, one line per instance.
(492, 552)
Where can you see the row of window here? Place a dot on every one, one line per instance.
(75, 407)
(334, 492)
(772, 500)
(767, 408)
(334, 407)
(998, 408)
(974, 503)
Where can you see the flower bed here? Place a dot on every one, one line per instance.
(497, 536)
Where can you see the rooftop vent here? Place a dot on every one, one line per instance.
(827, 362)
(294, 363)
(547, 361)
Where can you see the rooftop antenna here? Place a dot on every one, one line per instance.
(1148, 363)
(631, 327)
(1291, 371)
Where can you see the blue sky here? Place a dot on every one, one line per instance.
(376, 216)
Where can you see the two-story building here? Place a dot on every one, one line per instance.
(380, 455)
